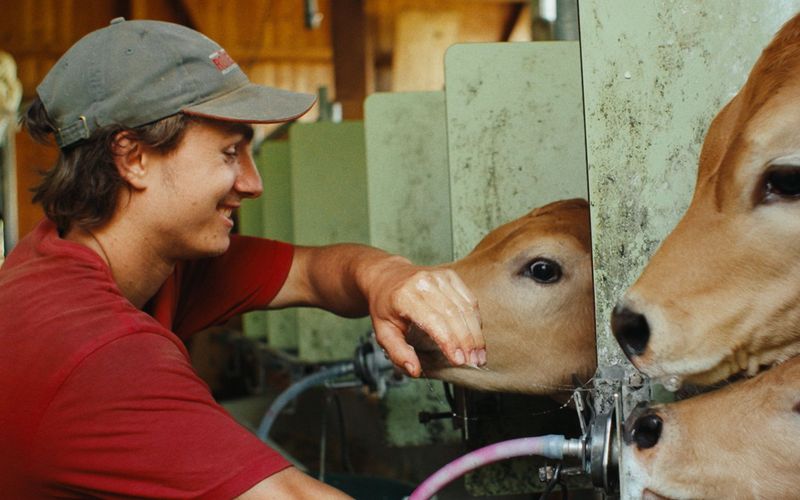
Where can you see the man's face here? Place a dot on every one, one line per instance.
(201, 183)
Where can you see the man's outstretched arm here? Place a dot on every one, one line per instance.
(355, 280)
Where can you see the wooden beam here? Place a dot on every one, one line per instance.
(353, 65)
(514, 15)
(522, 30)
(174, 11)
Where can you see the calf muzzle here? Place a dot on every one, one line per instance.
(631, 331)
(643, 427)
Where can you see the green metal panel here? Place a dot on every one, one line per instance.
(270, 216)
(409, 212)
(329, 205)
(655, 73)
(408, 179)
(515, 134)
(515, 141)
(654, 79)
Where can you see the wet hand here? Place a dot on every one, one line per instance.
(434, 300)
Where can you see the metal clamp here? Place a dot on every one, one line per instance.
(373, 368)
(602, 453)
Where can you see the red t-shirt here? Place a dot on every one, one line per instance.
(98, 398)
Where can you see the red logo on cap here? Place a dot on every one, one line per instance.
(222, 61)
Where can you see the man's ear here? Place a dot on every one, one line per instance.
(129, 159)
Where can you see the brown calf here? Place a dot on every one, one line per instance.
(736, 442)
(533, 281)
(722, 294)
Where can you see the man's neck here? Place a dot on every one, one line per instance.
(136, 267)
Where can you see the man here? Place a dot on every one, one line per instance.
(97, 397)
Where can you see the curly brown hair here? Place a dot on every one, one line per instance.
(83, 186)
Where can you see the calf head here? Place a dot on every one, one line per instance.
(722, 294)
(736, 442)
(533, 281)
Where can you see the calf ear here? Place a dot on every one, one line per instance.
(797, 407)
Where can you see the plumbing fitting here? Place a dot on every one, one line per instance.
(602, 448)
(374, 368)
(598, 448)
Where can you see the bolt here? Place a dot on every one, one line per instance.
(635, 380)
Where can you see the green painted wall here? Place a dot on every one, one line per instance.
(329, 205)
(409, 214)
(654, 78)
(655, 74)
(515, 142)
(407, 175)
(515, 132)
(270, 216)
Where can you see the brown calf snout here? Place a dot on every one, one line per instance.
(734, 442)
(643, 427)
(631, 331)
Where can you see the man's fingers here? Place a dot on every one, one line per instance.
(461, 288)
(467, 305)
(448, 317)
(398, 350)
(447, 329)
(439, 304)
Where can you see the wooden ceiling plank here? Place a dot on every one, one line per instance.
(421, 40)
(173, 11)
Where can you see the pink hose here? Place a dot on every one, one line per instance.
(550, 446)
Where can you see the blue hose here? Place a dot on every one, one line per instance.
(294, 390)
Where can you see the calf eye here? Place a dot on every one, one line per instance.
(782, 181)
(542, 270)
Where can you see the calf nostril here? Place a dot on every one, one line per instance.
(631, 330)
(646, 431)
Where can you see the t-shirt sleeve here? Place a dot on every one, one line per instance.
(246, 277)
(134, 420)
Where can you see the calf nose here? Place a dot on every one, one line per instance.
(631, 330)
(646, 431)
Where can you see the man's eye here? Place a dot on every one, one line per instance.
(782, 181)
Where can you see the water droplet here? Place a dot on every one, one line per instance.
(627, 75)
(672, 383)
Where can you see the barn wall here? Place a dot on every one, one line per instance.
(515, 142)
(409, 214)
(514, 131)
(655, 74)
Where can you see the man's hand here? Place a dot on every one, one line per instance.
(436, 301)
(352, 280)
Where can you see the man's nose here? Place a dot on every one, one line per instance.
(248, 182)
(631, 330)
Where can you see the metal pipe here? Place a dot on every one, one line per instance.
(311, 14)
(566, 22)
(295, 390)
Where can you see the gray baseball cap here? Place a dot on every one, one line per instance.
(131, 73)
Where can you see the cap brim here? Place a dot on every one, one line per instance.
(254, 104)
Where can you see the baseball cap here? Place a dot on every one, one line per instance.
(131, 73)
